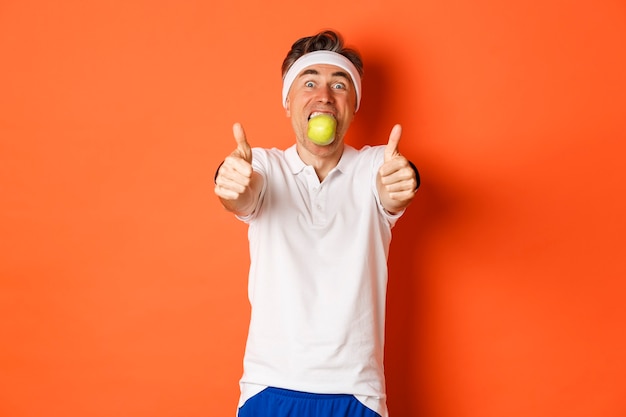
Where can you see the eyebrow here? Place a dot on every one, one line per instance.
(315, 72)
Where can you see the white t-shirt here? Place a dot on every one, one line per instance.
(318, 278)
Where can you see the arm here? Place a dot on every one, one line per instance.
(237, 185)
(397, 179)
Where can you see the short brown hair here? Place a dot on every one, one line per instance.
(326, 40)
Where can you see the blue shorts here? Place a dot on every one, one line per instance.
(277, 402)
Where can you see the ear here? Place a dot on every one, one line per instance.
(287, 109)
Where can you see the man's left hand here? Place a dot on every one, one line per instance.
(397, 180)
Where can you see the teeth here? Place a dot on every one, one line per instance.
(317, 113)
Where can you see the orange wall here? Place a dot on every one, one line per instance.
(123, 281)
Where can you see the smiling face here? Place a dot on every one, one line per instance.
(326, 89)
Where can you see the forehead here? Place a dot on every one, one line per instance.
(327, 70)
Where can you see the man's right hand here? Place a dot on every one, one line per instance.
(235, 174)
(236, 182)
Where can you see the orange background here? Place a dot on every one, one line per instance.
(123, 281)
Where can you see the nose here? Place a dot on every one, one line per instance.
(325, 94)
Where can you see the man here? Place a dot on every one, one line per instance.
(320, 219)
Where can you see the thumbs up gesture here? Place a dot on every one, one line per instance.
(396, 181)
(236, 183)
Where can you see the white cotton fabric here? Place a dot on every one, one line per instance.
(322, 57)
(318, 278)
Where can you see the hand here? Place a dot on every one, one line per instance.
(397, 180)
(235, 174)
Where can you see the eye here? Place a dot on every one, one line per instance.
(339, 86)
(309, 84)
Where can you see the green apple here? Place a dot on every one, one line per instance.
(321, 129)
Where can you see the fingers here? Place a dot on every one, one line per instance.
(235, 173)
(234, 177)
(237, 167)
(391, 150)
(243, 147)
(396, 174)
(393, 161)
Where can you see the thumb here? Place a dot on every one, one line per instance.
(243, 147)
(391, 150)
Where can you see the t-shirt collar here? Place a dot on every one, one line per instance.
(296, 165)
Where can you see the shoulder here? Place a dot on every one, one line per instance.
(265, 157)
(266, 153)
(373, 151)
(367, 155)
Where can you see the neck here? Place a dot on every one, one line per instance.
(322, 159)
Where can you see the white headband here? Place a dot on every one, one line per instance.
(322, 57)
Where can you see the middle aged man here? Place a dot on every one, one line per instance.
(320, 219)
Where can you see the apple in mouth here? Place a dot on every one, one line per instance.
(321, 128)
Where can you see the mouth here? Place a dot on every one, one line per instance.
(317, 113)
